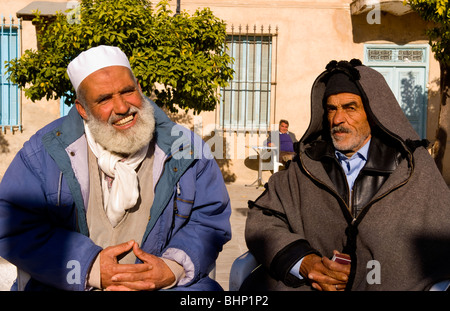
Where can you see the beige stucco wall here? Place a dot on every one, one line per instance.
(34, 115)
(310, 34)
(300, 56)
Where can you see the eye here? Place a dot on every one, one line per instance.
(103, 100)
(128, 91)
(331, 109)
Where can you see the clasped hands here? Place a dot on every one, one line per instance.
(152, 274)
(325, 274)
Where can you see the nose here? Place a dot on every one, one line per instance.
(339, 117)
(120, 107)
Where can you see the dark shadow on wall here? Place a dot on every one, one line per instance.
(224, 164)
(218, 138)
(218, 144)
(225, 168)
(4, 145)
(396, 29)
(180, 118)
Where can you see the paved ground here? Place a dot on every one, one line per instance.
(7, 275)
(239, 195)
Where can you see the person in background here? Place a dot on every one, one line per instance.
(285, 144)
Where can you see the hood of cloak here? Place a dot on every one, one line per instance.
(384, 112)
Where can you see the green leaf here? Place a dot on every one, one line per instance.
(184, 52)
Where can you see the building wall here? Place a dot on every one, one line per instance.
(309, 35)
(34, 115)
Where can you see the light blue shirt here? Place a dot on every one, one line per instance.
(352, 166)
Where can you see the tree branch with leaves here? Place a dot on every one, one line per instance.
(438, 13)
(179, 59)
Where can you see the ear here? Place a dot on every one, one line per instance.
(139, 86)
(80, 109)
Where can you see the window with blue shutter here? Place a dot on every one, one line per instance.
(63, 108)
(10, 96)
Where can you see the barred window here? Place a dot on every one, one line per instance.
(246, 101)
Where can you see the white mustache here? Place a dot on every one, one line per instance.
(115, 117)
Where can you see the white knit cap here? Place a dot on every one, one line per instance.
(94, 59)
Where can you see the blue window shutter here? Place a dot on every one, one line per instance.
(63, 108)
(10, 96)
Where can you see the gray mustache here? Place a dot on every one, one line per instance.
(340, 129)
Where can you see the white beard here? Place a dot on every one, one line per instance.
(128, 141)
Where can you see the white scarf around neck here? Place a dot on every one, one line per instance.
(124, 191)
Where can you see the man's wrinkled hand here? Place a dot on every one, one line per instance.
(109, 265)
(152, 274)
(325, 274)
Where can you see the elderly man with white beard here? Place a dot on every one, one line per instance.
(110, 191)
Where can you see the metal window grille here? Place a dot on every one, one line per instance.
(10, 97)
(402, 55)
(411, 55)
(380, 55)
(246, 101)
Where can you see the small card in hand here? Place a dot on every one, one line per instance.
(343, 259)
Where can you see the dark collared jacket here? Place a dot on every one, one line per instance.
(382, 161)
